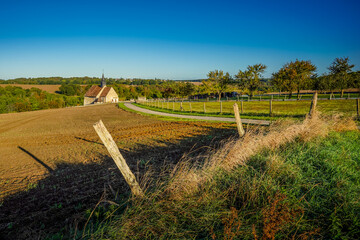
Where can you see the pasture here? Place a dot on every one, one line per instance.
(258, 109)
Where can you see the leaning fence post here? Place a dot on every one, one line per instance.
(118, 158)
(238, 120)
(313, 104)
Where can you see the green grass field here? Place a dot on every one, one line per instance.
(258, 109)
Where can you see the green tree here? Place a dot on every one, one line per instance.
(217, 82)
(304, 71)
(284, 79)
(355, 79)
(250, 78)
(294, 76)
(341, 68)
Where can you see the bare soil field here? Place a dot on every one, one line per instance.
(53, 165)
(47, 88)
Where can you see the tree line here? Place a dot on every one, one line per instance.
(292, 77)
(17, 99)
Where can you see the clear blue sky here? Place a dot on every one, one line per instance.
(172, 39)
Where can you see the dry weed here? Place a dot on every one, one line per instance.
(186, 179)
(277, 215)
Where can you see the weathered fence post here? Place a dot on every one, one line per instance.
(181, 107)
(220, 107)
(238, 120)
(204, 108)
(190, 106)
(270, 107)
(118, 158)
(313, 104)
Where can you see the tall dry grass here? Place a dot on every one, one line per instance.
(196, 195)
(188, 178)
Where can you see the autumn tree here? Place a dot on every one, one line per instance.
(217, 82)
(250, 78)
(294, 76)
(284, 79)
(304, 71)
(341, 68)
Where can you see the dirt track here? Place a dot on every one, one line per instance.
(53, 158)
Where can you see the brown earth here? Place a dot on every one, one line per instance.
(53, 166)
(47, 88)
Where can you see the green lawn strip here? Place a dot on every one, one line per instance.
(256, 109)
(294, 96)
(307, 190)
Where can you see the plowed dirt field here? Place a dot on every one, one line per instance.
(53, 166)
(47, 88)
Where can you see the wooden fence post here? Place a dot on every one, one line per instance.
(313, 104)
(238, 120)
(181, 107)
(270, 107)
(118, 158)
(220, 107)
(204, 108)
(190, 106)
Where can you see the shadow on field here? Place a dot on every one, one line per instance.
(36, 159)
(246, 114)
(60, 202)
(90, 141)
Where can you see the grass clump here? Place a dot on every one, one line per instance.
(294, 182)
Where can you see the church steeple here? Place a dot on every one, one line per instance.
(103, 82)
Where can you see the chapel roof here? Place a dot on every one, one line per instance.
(93, 91)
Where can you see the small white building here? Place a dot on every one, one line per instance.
(101, 94)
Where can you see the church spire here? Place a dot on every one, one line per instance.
(103, 82)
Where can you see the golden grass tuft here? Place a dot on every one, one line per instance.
(187, 178)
